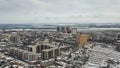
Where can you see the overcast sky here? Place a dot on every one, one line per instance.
(59, 11)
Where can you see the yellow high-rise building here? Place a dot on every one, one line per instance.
(81, 39)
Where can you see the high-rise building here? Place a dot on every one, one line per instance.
(45, 55)
(81, 39)
(16, 52)
(118, 36)
(33, 57)
(20, 53)
(59, 28)
(25, 55)
(69, 29)
(39, 48)
(74, 31)
(16, 37)
(118, 42)
(56, 52)
(33, 48)
(50, 53)
(11, 51)
(64, 29)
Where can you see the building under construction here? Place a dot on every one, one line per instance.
(81, 39)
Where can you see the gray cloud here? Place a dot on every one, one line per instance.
(60, 11)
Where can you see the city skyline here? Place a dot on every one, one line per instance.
(59, 11)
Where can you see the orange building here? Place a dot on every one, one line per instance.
(81, 39)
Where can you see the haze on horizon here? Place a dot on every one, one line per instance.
(59, 11)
